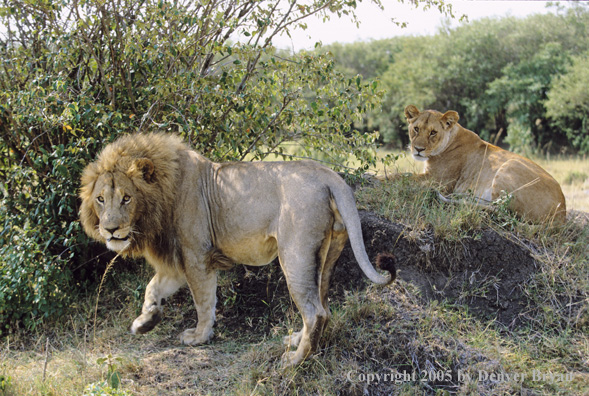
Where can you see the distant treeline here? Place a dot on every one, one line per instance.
(524, 82)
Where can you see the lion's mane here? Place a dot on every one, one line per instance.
(151, 161)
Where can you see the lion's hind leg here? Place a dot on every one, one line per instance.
(303, 271)
(314, 319)
(293, 339)
(161, 286)
(532, 197)
(336, 245)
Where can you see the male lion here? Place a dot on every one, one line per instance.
(150, 195)
(462, 162)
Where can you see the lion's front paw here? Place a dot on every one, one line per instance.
(290, 359)
(146, 322)
(194, 336)
(293, 339)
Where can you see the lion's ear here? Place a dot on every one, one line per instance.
(450, 118)
(143, 167)
(411, 112)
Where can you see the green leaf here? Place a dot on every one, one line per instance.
(62, 170)
(114, 379)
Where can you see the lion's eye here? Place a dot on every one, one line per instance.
(433, 133)
(100, 199)
(416, 129)
(126, 199)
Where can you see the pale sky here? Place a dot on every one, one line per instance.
(376, 24)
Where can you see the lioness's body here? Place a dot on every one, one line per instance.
(462, 162)
(151, 196)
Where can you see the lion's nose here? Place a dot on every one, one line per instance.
(112, 230)
(419, 149)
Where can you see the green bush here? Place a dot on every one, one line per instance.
(75, 75)
(568, 103)
(34, 285)
(40, 237)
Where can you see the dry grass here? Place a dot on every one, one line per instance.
(374, 332)
(573, 175)
(414, 349)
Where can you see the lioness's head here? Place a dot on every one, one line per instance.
(430, 131)
(111, 200)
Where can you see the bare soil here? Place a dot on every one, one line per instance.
(487, 272)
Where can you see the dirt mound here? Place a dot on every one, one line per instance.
(486, 271)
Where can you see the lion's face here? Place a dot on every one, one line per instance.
(115, 203)
(430, 131)
(126, 199)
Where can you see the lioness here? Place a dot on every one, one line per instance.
(462, 162)
(151, 196)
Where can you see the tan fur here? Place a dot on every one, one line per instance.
(462, 162)
(151, 196)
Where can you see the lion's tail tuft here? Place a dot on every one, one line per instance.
(386, 262)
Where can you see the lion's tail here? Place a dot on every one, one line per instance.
(346, 206)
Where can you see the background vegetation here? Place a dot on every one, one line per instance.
(512, 80)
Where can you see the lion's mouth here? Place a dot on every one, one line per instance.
(118, 239)
(419, 157)
(118, 244)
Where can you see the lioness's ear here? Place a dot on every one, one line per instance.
(411, 112)
(450, 118)
(143, 167)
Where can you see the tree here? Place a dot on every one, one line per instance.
(370, 60)
(495, 72)
(568, 102)
(521, 93)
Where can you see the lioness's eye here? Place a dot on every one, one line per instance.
(126, 199)
(433, 133)
(100, 199)
(416, 129)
